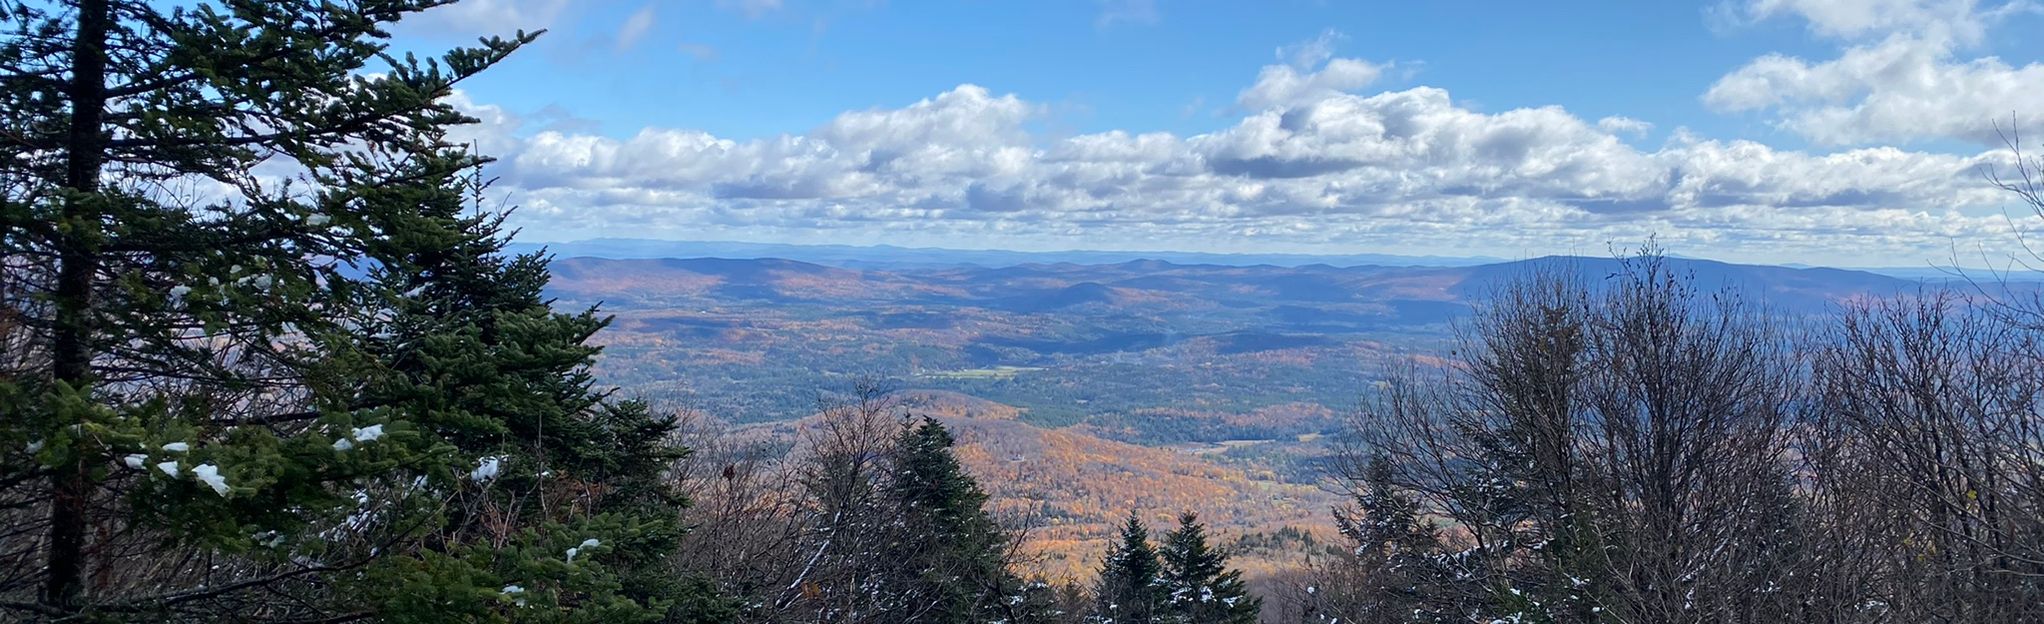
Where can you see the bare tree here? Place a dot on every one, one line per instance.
(792, 531)
(743, 524)
(1930, 454)
(1608, 451)
(850, 526)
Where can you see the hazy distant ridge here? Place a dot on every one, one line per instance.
(888, 255)
(1414, 294)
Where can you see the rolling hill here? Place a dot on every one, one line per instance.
(1081, 391)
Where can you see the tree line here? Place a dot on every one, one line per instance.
(1641, 449)
(871, 518)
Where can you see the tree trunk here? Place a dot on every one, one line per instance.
(72, 343)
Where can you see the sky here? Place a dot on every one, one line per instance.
(1856, 133)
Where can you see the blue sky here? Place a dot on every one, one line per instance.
(1773, 130)
(698, 66)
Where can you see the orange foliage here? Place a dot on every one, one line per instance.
(1069, 490)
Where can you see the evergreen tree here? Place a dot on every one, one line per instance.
(1200, 588)
(1131, 587)
(323, 396)
(1389, 572)
(955, 557)
(1074, 604)
(1038, 602)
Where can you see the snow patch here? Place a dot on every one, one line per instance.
(487, 470)
(210, 475)
(514, 591)
(587, 543)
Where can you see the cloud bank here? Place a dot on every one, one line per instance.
(1317, 161)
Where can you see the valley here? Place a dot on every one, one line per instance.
(1080, 391)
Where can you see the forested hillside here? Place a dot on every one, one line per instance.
(1146, 385)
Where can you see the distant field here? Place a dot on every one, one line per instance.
(997, 372)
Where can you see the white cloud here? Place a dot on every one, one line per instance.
(475, 18)
(1312, 167)
(495, 128)
(1744, 173)
(1312, 52)
(635, 28)
(1901, 75)
(1284, 85)
(1309, 72)
(1620, 124)
(1902, 88)
(1962, 20)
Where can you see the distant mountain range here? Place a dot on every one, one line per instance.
(740, 334)
(1400, 295)
(889, 256)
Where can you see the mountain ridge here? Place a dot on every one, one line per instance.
(1049, 286)
(893, 256)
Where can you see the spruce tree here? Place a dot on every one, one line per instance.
(322, 395)
(1038, 602)
(1131, 587)
(1199, 586)
(955, 556)
(1390, 572)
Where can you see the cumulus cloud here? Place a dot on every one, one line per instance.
(1285, 85)
(1309, 72)
(1902, 88)
(1326, 166)
(1902, 74)
(495, 129)
(1713, 174)
(1963, 20)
